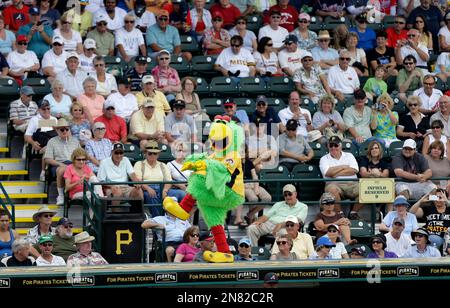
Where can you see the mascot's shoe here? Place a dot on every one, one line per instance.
(172, 207)
(218, 257)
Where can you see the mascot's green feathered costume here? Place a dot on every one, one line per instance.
(216, 185)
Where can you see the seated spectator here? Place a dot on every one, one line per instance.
(373, 165)
(101, 35)
(397, 33)
(111, 14)
(443, 114)
(22, 63)
(357, 118)
(151, 170)
(116, 128)
(436, 135)
(149, 91)
(78, 172)
(166, 77)
(398, 241)
(302, 242)
(366, 35)
(135, 74)
(378, 246)
(295, 112)
(338, 251)
(145, 125)
(178, 125)
(444, 35)
(358, 58)
(327, 120)
(4, 67)
(60, 103)
(229, 12)
(63, 240)
(244, 250)
(262, 148)
(340, 33)
(39, 35)
(274, 219)
(85, 256)
(92, 102)
(375, 86)
(310, 80)
(16, 15)
(293, 149)
(20, 255)
(413, 125)
(215, 38)
(82, 18)
(23, 109)
(426, 38)
(291, 56)
(8, 41)
(341, 165)
(248, 36)
(328, 217)
(442, 68)
(54, 60)
(423, 247)
(382, 55)
(428, 95)
(235, 60)
(274, 30)
(324, 55)
(436, 214)
(175, 229)
(288, 12)
(88, 56)
(43, 218)
(413, 47)
(106, 83)
(7, 234)
(414, 170)
(409, 78)
(47, 258)
(323, 249)
(239, 116)
(192, 100)
(358, 252)
(384, 121)
(201, 18)
(189, 248)
(57, 155)
(307, 39)
(179, 151)
(206, 244)
(401, 206)
(98, 148)
(439, 164)
(285, 253)
(343, 79)
(72, 77)
(72, 38)
(129, 40)
(266, 59)
(265, 114)
(79, 125)
(125, 103)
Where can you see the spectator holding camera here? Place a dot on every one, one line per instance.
(384, 120)
(412, 47)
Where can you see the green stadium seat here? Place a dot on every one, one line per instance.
(275, 188)
(252, 86)
(395, 148)
(116, 65)
(150, 64)
(189, 43)
(349, 147)
(276, 103)
(213, 106)
(221, 86)
(361, 231)
(319, 150)
(246, 104)
(9, 91)
(340, 107)
(166, 153)
(254, 23)
(316, 24)
(133, 152)
(261, 253)
(309, 104)
(280, 86)
(204, 66)
(331, 23)
(391, 83)
(388, 21)
(309, 191)
(399, 105)
(202, 86)
(181, 65)
(41, 87)
(375, 26)
(441, 85)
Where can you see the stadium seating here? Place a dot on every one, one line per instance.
(252, 86)
(180, 64)
(309, 191)
(41, 87)
(221, 86)
(275, 188)
(280, 86)
(189, 43)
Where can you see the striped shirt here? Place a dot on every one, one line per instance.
(61, 150)
(19, 111)
(100, 149)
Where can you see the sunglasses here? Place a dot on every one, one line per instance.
(429, 83)
(307, 60)
(333, 145)
(118, 153)
(164, 59)
(287, 194)
(102, 23)
(217, 19)
(68, 226)
(80, 159)
(435, 127)
(57, 44)
(241, 23)
(110, 108)
(195, 235)
(243, 245)
(151, 153)
(303, 21)
(376, 242)
(275, 17)
(22, 43)
(412, 105)
(91, 49)
(163, 19)
(399, 22)
(65, 129)
(411, 35)
(344, 59)
(129, 21)
(228, 107)
(290, 225)
(47, 244)
(408, 63)
(47, 215)
(270, 45)
(261, 104)
(281, 243)
(236, 45)
(328, 203)
(419, 235)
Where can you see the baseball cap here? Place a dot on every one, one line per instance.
(100, 18)
(109, 104)
(98, 125)
(327, 198)
(261, 99)
(409, 143)
(148, 78)
(229, 102)
(124, 81)
(274, 12)
(289, 188)
(149, 103)
(217, 14)
(291, 218)
(164, 51)
(90, 43)
(179, 103)
(45, 238)
(34, 10)
(360, 250)
(245, 240)
(22, 38)
(152, 146)
(141, 59)
(359, 94)
(118, 147)
(84, 2)
(44, 103)
(27, 90)
(333, 226)
(57, 39)
(291, 124)
(205, 236)
(64, 221)
(271, 277)
(398, 219)
(401, 200)
(307, 54)
(334, 140)
(361, 17)
(291, 39)
(325, 241)
(304, 16)
(72, 55)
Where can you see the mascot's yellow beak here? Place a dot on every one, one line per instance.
(220, 136)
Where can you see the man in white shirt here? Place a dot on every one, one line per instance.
(429, 95)
(290, 57)
(396, 240)
(412, 46)
(342, 78)
(88, 56)
(72, 77)
(130, 40)
(273, 30)
(111, 9)
(235, 60)
(294, 111)
(54, 60)
(340, 165)
(47, 258)
(124, 101)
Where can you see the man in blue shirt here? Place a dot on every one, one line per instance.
(266, 114)
(39, 35)
(422, 249)
(367, 37)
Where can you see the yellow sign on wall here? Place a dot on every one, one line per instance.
(376, 190)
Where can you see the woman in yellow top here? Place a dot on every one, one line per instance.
(162, 106)
(425, 35)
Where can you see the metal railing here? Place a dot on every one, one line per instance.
(5, 206)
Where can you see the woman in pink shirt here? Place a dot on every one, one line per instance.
(166, 78)
(187, 251)
(90, 100)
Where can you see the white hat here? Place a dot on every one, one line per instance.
(147, 79)
(72, 55)
(307, 54)
(100, 17)
(289, 188)
(98, 125)
(314, 135)
(83, 237)
(409, 143)
(291, 218)
(89, 43)
(57, 39)
(109, 103)
(43, 209)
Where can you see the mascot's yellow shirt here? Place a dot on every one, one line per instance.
(234, 165)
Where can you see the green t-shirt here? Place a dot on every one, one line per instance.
(415, 83)
(375, 86)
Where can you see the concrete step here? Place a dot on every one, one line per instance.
(12, 166)
(23, 231)
(24, 189)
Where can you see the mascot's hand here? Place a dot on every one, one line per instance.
(200, 165)
(187, 166)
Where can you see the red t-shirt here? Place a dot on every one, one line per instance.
(215, 51)
(116, 128)
(15, 18)
(393, 37)
(289, 17)
(230, 14)
(74, 177)
(200, 26)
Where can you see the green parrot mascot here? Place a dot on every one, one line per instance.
(216, 184)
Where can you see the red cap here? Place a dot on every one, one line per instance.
(217, 14)
(22, 38)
